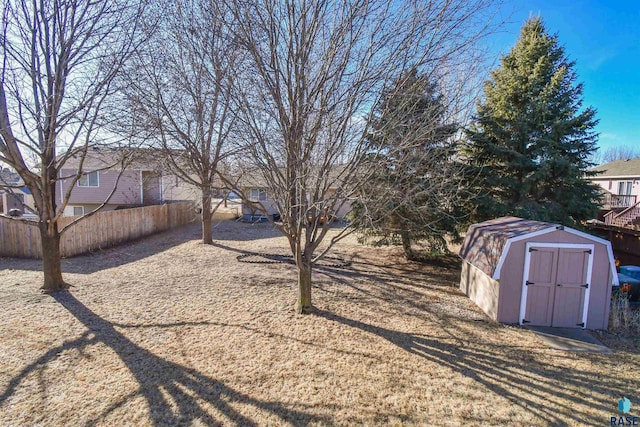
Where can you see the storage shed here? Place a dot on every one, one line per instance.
(538, 273)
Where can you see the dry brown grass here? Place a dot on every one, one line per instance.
(168, 331)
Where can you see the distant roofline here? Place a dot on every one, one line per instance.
(603, 176)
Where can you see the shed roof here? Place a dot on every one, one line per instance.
(485, 241)
(486, 244)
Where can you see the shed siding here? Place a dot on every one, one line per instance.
(600, 294)
(512, 275)
(482, 289)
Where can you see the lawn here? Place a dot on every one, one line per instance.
(167, 331)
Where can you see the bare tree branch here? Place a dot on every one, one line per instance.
(180, 91)
(59, 63)
(313, 72)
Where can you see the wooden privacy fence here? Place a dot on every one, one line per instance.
(101, 230)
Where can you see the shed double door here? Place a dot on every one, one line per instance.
(556, 286)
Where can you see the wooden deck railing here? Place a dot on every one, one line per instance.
(613, 201)
(626, 218)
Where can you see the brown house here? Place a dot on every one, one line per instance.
(537, 273)
(142, 183)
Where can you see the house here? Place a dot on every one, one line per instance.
(260, 200)
(141, 183)
(15, 196)
(620, 180)
(620, 183)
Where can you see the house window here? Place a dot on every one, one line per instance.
(624, 188)
(88, 180)
(255, 195)
(610, 184)
(78, 210)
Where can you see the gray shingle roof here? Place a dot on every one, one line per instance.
(629, 168)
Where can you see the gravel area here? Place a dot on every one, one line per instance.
(167, 331)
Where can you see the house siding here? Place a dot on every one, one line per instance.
(175, 189)
(127, 192)
(151, 194)
(612, 185)
(269, 204)
(343, 206)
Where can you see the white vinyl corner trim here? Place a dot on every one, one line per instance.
(527, 266)
(507, 246)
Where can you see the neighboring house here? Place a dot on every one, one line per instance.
(256, 191)
(620, 183)
(16, 197)
(140, 184)
(258, 194)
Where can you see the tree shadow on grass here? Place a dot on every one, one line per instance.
(540, 388)
(158, 377)
(239, 231)
(391, 284)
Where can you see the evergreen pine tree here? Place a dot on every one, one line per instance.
(411, 196)
(531, 142)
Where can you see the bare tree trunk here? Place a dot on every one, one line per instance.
(303, 304)
(50, 237)
(309, 70)
(406, 244)
(207, 233)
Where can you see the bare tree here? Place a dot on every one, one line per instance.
(180, 92)
(617, 152)
(59, 61)
(314, 71)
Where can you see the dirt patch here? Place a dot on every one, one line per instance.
(167, 331)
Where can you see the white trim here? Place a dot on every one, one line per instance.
(612, 262)
(507, 246)
(614, 271)
(587, 236)
(527, 264)
(612, 177)
(141, 188)
(161, 189)
(587, 291)
(525, 277)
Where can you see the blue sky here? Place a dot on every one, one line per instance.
(603, 38)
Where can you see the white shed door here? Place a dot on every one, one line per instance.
(556, 286)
